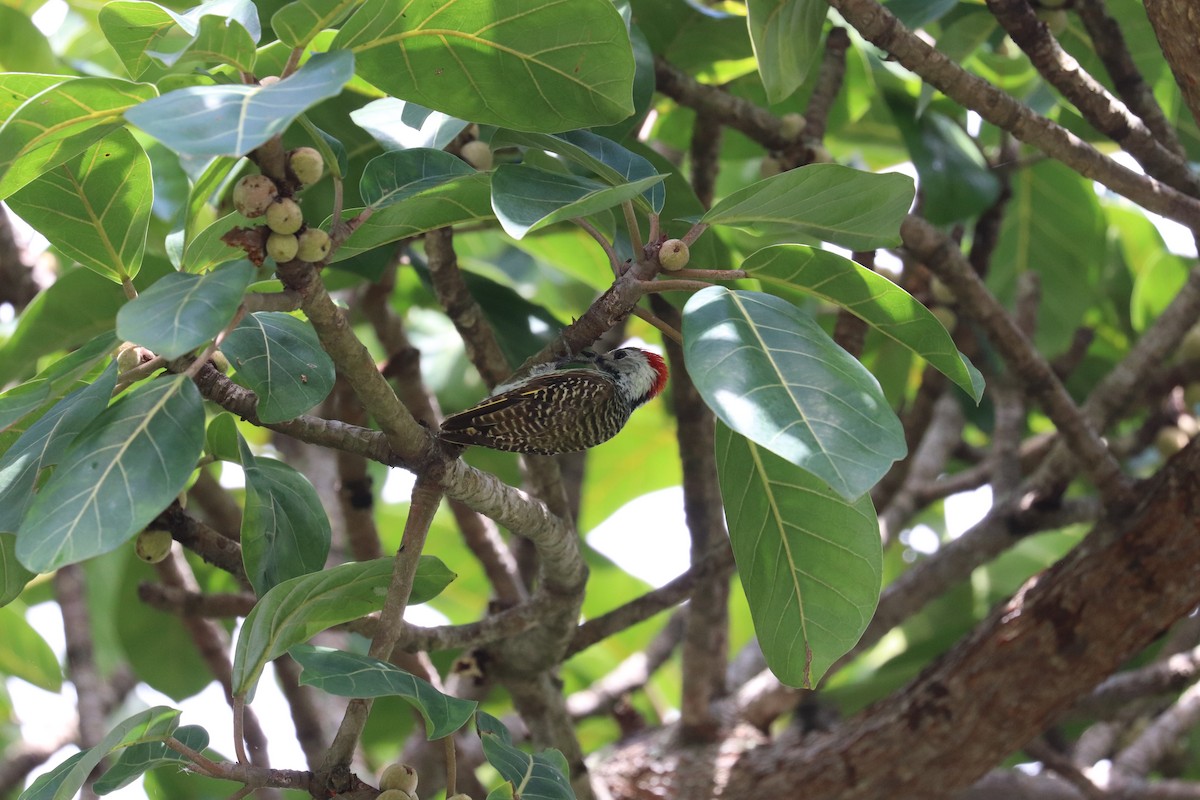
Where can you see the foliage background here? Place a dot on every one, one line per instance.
(1053, 633)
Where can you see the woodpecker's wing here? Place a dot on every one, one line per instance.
(547, 414)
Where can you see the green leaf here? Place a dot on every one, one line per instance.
(221, 31)
(787, 41)
(526, 198)
(24, 653)
(95, 208)
(298, 608)
(232, 120)
(51, 383)
(156, 647)
(810, 562)
(202, 191)
(397, 124)
(285, 531)
(857, 210)
(872, 298)
(522, 64)
(63, 782)
(75, 308)
(17, 87)
(463, 200)
(956, 181)
(180, 312)
(351, 675)
(132, 27)
(299, 21)
(533, 777)
(610, 161)
(1053, 225)
(772, 374)
(13, 576)
(21, 401)
(22, 45)
(222, 440)
(1158, 274)
(206, 250)
(280, 358)
(44, 444)
(124, 469)
(139, 758)
(60, 122)
(400, 174)
(218, 40)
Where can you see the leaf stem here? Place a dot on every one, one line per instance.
(635, 233)
(451, 766)
(292, 62)
(239, 744)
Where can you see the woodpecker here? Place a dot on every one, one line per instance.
(562, 407)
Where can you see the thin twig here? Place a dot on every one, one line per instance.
(667, 330)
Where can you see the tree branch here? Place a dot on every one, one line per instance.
(880, 27)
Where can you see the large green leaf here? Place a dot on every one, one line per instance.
(536, 776)
(526, 198)
(138, 758)
(787, 37)
(1054, 227)
(24, 653)
(810, 562)
(299, 21)
(95, 208)
(51, 383)
(60, 122)
(285, 531)
(872, 298)
(218, 31)
(351, 675)
(180, 312)
(773, 375)
(17, 87)
(120, 473)
(857, 210)
(462, 200)
(65, 780)
(523, 64)
(281, 359)
(160, 651)
(298, 608)
(13, 576)
(957, 183)
(230, 120)
(44, 444)
(400, 174)
(610, 161)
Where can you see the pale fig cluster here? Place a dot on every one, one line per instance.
(288, 238)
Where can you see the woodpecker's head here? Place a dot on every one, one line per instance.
(640, 375)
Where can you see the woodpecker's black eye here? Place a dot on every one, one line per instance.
(619, 354)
